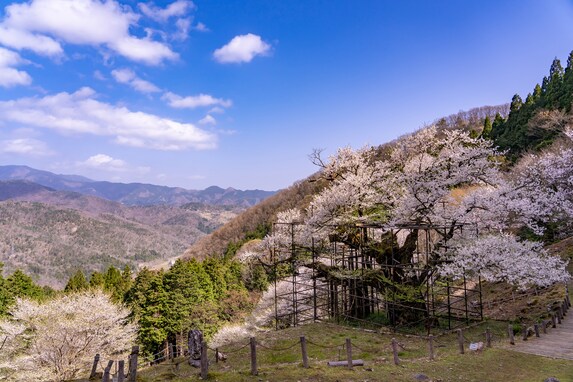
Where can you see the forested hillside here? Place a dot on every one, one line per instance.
(52, 234)
(536, 122)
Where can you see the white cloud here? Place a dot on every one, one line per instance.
(208, 120)
(105, 162)
(201, 27)
(38, 25)
(25, 146)
(242, 48)
(192, 102)
(216, 110)
(21, 39)
(128, 77)
(82, 113)
(8, 75)
(177, 8)
(183, 26)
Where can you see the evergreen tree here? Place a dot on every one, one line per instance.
(6, 297)
(567, 94)
(188, 286)
(516, 103)
(149, 303)
(22, 285)
(487, 126)
(97, 280)
(554, 85)
(77, 283)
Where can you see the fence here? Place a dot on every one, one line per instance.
(466, 340)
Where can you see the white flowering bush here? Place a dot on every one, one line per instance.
(58, 339)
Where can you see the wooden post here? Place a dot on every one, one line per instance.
(544, 326)
(568, 300)
(254, 356)
(133, 364)
(106, 372)
(121, 371)
(172, 351)
(461, 341)
(431, 346)
(94, 366)
(524, 332)
(565, 307)
(395, 351)
(204, 361)
(559, 315)
(349, 353)
(488, 337)
(216, 355)
(536, 329)
(303, 350)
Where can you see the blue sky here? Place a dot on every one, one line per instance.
(238, 93)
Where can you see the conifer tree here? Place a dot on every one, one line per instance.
(487, 126)
(21, 285)
(77, 282)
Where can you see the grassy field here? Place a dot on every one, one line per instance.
(279, 359)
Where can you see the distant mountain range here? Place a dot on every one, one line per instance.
(52, 225)
(130, 194)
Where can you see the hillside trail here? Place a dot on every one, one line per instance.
(557, 343)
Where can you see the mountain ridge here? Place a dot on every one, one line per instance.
(134, 194)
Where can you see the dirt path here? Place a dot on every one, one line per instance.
(557, 343)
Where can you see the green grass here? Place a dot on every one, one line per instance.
(325, 341)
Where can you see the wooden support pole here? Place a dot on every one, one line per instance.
(461, 341)
(559, 315)
(544, 326)
(172, 350)
(510, 334)
(553, 320)
(254, 370)
(565, 307)
(121, 371)
(524, 332)
(431, 346)
(304, 353)
(395, 351)
(349, 353)
(568, 300)
(488, 337)
(94, 366)
(106, 372)
(536, 329)
(216, 355)
(133, 364)
(204, 361)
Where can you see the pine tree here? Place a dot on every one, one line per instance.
(487, 127)
(77, 282)
(97, 280)
(6, 297)
(22, 285)
(567, 96)
(554, 85)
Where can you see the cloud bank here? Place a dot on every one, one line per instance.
(81, 113)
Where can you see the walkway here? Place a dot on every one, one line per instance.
(557, 343)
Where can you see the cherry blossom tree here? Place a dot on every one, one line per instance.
(57, 340)
(445, 179)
